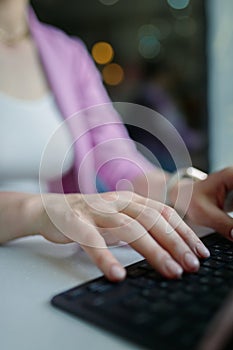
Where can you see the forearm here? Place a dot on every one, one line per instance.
(17, 215)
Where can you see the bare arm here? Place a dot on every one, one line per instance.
(143, 223)
(18, 211)
(16, 215)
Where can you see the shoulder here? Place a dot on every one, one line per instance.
(58, 46)
(71, 50)
(60, 38)
(56, 38)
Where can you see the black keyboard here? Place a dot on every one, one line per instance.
(152, 311)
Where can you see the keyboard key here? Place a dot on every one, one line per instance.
(224, 273)
(223, 258)
(153, 293)
(213, 264)
(180, 298)
(205, 270)
(100, 287)
(136, 272)
(136, 302)
(74, 293)
(143, 282)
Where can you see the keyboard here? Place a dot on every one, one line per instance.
(154, 312)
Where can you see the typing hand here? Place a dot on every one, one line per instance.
(209, 205)
(153, 229)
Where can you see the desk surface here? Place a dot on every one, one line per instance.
(32, 270)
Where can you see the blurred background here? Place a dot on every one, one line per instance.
(148, 52)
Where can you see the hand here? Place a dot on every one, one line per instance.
(150, 227)
(209, 199)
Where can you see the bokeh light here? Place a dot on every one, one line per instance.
(149, 46)
(113, 74)
(178, 4)
(148, 29)
(108, 2)
(102, 52)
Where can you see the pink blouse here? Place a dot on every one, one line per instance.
(101, 143)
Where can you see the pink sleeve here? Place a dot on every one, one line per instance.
(114, 153)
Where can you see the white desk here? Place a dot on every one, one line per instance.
(32, 270)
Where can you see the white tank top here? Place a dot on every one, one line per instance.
(26, 126)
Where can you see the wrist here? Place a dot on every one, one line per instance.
(32, 210)
(180, 187)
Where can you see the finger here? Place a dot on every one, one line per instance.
(187, 234)
(164, 234)
(226, 176)
(132, 232)
(109, 238)
(106, 262)
(228, 205)
(218, 220)
(83, 232)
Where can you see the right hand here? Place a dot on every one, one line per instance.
(152, 228)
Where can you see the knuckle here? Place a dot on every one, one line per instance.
(70, 215)
(146, 211)
(175, 241)
(179, 246)
(128, 194)
(123, 220)
(138, 197)
(132, 196)
(167, 212)
(109, 196)
(189, 235)
(149, 215)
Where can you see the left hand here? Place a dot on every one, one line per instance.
(208, 202)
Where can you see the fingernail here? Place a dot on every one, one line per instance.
(202, 250)
(118, 272)
(191, 261)
(173, 268)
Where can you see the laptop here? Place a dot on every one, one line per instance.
(194, 312)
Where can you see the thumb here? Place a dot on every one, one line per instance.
(219, 221)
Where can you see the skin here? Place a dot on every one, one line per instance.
(152, 228)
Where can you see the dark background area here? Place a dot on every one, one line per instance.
(149, 38)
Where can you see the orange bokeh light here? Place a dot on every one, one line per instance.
(102, 52)
(113, 74)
